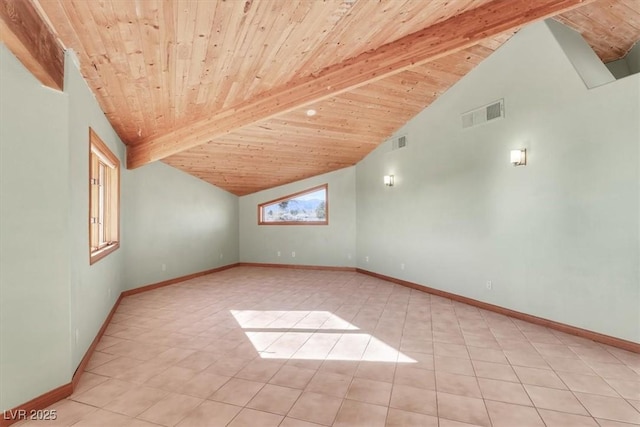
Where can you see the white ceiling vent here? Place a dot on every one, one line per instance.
(493, 111)
(399, 142)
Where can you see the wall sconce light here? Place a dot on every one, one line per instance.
(388, 180)
(519, 157)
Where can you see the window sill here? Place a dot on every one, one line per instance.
(293, 223)
(96, 256)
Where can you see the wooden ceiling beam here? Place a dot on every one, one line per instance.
(438, 40)
(32, 41)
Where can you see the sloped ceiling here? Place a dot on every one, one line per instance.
(221, 89)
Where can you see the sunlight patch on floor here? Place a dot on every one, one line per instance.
(313, 335)
(290, 319)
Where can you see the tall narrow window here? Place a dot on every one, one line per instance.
(308, 207)
(104, 199)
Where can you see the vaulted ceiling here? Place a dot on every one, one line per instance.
(220, 89)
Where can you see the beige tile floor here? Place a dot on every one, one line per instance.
(300, 348)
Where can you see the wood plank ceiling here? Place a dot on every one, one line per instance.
(160, 69)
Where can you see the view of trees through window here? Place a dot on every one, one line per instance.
(306, 207)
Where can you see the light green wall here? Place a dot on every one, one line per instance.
(558, 238)
(619, 68)
(628, 65)
(174, 219)
(52, 302)
(327, 245)
(93, 288)
(583, 58)
(633, 58)
(34, 244)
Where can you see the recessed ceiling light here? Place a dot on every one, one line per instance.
(311, 112)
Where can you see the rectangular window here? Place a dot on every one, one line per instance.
(308, 207)
(104, 199)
